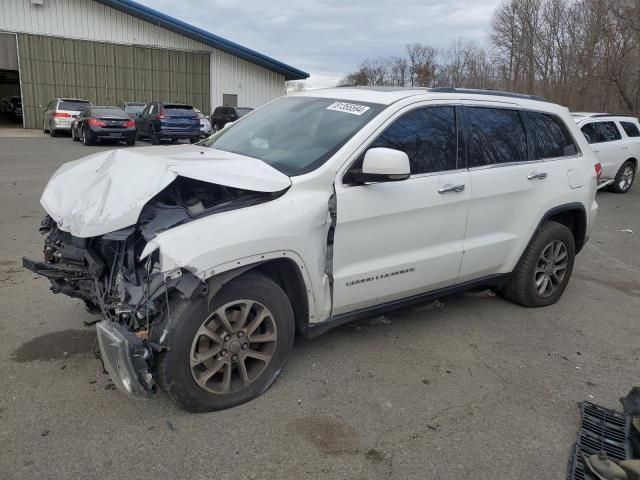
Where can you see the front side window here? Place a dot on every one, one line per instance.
(549, 136)
(631, 129)
(295, 134)
(428, 137)
(495, 136)
(599, 132)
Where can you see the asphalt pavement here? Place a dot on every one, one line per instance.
(470, 386)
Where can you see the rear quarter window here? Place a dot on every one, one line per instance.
(631, 129)
(549, 136)
(495, 136)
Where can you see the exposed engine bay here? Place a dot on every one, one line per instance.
(131, 295)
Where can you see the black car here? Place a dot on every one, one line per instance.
(132, 108)
(95, 124)
(223, 115)
(171, 121)
(14, 109)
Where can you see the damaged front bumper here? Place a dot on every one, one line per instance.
(130, 295)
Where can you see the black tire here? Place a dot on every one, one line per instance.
(52, 132)
(155, 140)
(621, 182)
(194, 139)
(174, 374)
(86, 138)
(521, 287)
(131, 142)
(74, 137)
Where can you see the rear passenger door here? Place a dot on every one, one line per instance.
(517, 175)
(607, 144)
(397, 239)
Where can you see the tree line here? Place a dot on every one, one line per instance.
(584, 54)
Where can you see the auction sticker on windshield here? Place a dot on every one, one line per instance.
(348, 108)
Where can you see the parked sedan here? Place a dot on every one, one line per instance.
(205, 124)
(223, 115)
(95, 124)
(170, 121)
(60, 113)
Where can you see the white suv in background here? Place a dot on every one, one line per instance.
(615, 140)
(315, 210)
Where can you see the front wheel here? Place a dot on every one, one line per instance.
(228, 350)
(155, 140)
(624, 178)
(86, 137)
(544, 269)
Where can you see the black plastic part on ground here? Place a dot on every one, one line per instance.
(601, 429)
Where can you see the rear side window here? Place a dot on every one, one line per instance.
(599, 132)
(549, 136)
(631, 129)
(495, 136)
(427, 136)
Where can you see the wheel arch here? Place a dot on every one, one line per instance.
(571, 215)
(287, 272)
(634, 160)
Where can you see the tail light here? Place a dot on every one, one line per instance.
(162, 116)
(61, 115)
(94, 122)
(598, 170)
(130, 124)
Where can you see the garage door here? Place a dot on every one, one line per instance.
(107, 74)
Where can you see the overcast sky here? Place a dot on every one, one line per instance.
(329, 38)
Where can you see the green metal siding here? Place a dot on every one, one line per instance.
(107, 73)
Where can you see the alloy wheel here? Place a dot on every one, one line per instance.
(233, 346)
(551, 268)
(626, 179)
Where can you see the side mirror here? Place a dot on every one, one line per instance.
(383, 165)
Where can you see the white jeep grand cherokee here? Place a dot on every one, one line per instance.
(314, 210)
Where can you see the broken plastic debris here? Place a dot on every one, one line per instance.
(626, 230)
(381, 320)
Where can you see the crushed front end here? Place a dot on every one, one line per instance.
(130, 295)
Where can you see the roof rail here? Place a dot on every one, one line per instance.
(478, 91)
(612, 115)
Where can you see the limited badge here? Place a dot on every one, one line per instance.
(348, 108)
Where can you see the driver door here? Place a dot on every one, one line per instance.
(397, 239)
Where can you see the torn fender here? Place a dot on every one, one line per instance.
(106, 191)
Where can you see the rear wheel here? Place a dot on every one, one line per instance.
(74, 137)
(86, 137)
(544, 269)
(230, 350)
(52, 132)
(131, 142)
(624, 178)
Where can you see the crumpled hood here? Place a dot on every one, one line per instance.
(106, 191)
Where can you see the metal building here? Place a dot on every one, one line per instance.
(117, 50)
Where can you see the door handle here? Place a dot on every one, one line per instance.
(451, 188)
(538, 175)
(596, 151)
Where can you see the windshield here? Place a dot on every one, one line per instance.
(243, 111)
(295, 134)
(73, 105)
(129, 108)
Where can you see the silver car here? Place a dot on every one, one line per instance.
(60, 113)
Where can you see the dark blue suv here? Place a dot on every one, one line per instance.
(171, 121)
